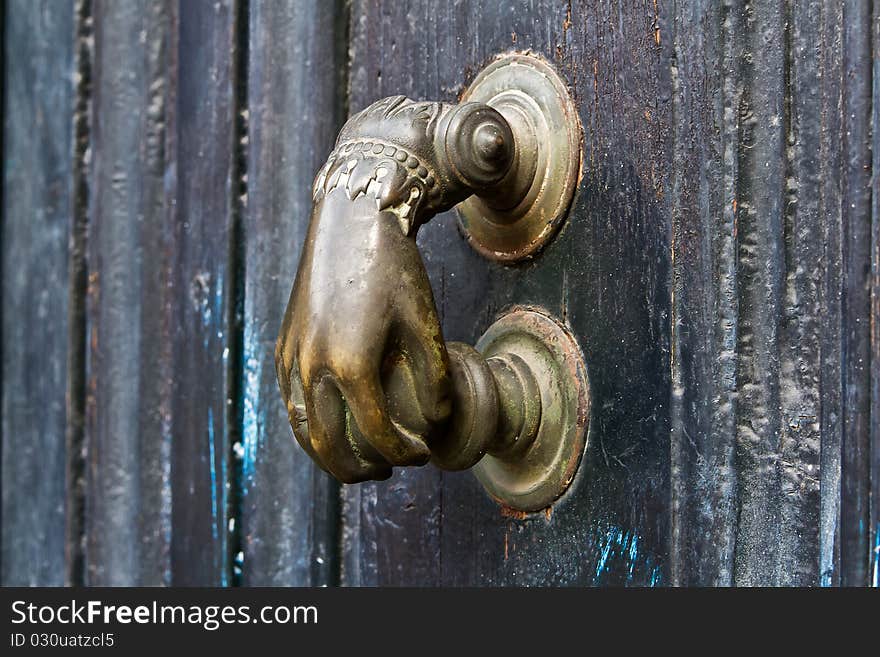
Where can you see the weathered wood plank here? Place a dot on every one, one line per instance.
(38, 155)
(805, 386)
(164, 202)
(855, 302)
(700, 46)
(746, 360)
(606, 274)
(296, 69)
(750, 366)
(831, 208)
(203, 198)
(760, 325)
(794, 176)
(759, 191)
(874, 543)
(129, 357)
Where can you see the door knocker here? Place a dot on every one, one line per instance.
(368, 380)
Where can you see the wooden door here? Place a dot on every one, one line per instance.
(719, 268)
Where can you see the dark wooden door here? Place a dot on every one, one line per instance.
(719, 268)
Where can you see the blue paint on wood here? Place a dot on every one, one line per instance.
(254, 410)
(213, 467)
(875, 578)
(219, 497)
(619, 551)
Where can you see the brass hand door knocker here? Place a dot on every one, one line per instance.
(368, 380)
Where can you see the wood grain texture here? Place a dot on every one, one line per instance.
(805, 383)
(130, 252)
(874, 525)
(202, 185)
(37, 224)
(759, 190)
(705, 302)
(163, 189)
(296, 68)
(855, 348)
(758, 325)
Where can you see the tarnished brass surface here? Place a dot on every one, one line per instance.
(530, 476)
(363, 368)
(361, 309)
(522, 213)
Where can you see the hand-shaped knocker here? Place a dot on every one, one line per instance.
(361, 315)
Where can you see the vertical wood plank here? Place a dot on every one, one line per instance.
(164, 183)
(788, 175)
(831, 208)
(855, 349)
(805, 384)
(296, 71)
(202, 183)
(129, 365)
(759, 190)
(813, 399)
(704, 299)
(874, 543)
(800, 317)
(37, 224)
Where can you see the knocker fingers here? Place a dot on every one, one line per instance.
(329, 437)
(369, 408)
(422, 341)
